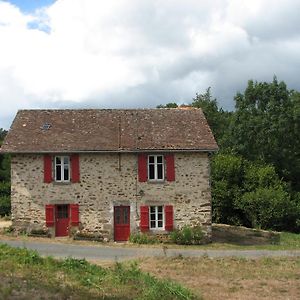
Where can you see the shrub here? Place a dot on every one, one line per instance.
(5, 199)
(270, 208)
(141, 238)
(187, 235)
(5, 206)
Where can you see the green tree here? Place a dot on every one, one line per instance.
(217, 118)
(168, 105)
(227, 178)
(2, 134)
(4, 160)
(265, 127)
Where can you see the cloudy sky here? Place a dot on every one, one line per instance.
(134, 53)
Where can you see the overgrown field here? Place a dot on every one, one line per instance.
(231, 278)
(26, 275)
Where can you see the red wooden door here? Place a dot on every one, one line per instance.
(62, 220)
(122, 223)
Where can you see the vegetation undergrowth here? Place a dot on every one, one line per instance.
(25, 273)
(187, 235)
(141, 238)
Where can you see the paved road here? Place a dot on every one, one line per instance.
(121, 253)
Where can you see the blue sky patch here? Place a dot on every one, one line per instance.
(29, 6)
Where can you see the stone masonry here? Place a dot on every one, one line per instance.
(106, 180)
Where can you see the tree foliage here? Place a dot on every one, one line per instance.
(255, 175)
(265, 127)
(4, 179)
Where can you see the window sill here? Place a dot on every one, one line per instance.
(62, 182)
(158, 231)
(154, 181)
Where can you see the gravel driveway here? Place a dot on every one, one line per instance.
(108, 253)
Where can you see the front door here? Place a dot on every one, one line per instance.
(122, 223)
(62, 220)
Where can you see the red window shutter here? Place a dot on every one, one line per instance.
(169, 217)
(170, 164)
(49, 215)
(75, 168)
(144, 223)
(74, 214)
(142, 167)
(47, 168)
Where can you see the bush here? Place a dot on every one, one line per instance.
(187, 235)
(5, 206)
(270, 208)
(141, 238)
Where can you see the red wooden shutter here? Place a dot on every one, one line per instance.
(170, 164)
(49, 209)
(144, 223)
(74, 214)
(169, 217)
(47, 168)
(142, 167)
(75, 168)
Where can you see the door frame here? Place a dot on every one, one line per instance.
(126, 227)
(67, 222)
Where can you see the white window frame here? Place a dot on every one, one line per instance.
(155, 167)
(156, 217)
(62, 173)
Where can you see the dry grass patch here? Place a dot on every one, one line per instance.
(231, 278)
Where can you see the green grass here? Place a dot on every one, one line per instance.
(25, 274)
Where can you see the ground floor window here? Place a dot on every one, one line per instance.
(156, 217)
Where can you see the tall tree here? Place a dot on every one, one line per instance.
(3, 133)
(266, 126)
(217, 118)
(4, 160)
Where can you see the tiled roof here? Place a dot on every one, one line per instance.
(89, 130)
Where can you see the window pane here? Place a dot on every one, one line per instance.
(58, 173)
(151, 159)
(159, 209)
(159, 171)
(62, 211)
(160, 224)
(118, 216)
(57, 160)
(159, 216)
(152, 217)
(159, 159)
(152, 209)
(125, 216)
(152, 224)
(66, 172)
(151, 172)
(66, 160)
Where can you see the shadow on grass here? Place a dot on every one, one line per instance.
(243, 236)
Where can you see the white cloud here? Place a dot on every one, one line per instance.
(125, 53)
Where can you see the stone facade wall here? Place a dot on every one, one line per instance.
(107, 180)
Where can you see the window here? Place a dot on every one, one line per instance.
(156, 217)
(155, 167)
(62, 212)
(62, 168)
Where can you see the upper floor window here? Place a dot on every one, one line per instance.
(155, 167)
(62, 168)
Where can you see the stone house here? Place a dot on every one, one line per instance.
(110, 172)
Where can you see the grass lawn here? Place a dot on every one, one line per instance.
(26, 275)
(231, 278)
